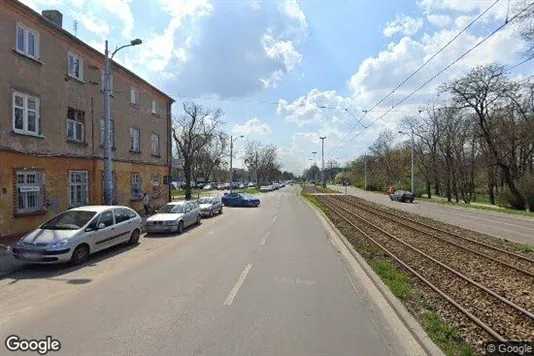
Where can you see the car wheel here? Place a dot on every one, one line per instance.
(80, 255)
(411, 200)
(220, 210)
(134, 237)
(180, 228)
(211, 214)
(198, 220)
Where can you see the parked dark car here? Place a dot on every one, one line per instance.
(240, 199)
(402, 196)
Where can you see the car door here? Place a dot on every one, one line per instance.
(123, 225)
(187, 214)
(104, 237)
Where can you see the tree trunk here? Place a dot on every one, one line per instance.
(491, 185)
(519, 202)
(187, 174)
(428, 188)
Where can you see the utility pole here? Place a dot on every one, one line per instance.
(365, 172)
(257, 173)
(322, 163)
(108, 175)
(413, 162)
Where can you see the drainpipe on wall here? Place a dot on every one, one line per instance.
(169, 151)
(93, 178)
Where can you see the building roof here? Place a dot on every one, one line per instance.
(70, 36)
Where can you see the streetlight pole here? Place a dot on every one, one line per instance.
(365, 172)
(412, 159)
(231, 158)
(108, 176)
(322, 163)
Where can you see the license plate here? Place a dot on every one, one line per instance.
(30, 256)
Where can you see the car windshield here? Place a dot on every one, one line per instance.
(69, 220)
(205, 201)
(172, 209)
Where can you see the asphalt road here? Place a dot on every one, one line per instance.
(511, 227)
(254, 281)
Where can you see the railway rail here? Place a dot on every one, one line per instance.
(501, 318)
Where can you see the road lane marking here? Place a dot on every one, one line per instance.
(274, 219)
(264, 238)
(230, 299)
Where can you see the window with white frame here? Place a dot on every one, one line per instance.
(111, 133)
(27, 41)
(78, 188)
(26, 114)
(75, 66)
(154, 106)
(134, 96)
(135, 135)
(75, 125)
(103, 79)
(30, 191)
(136, 186)
(155, 180)
(155, 144)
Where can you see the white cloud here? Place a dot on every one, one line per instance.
(91, 22)
(439, 20)
(121, 9)
(403, 24)
(252, 126)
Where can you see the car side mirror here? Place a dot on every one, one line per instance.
(101, 226)
(155, 211)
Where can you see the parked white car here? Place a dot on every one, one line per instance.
(76, 233)
(174, 217)
(208, 187)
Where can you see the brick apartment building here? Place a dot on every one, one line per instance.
(51, 124)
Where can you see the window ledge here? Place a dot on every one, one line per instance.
(136, 152)
(83, 143)
(156, 156)
(33, 213)
(134, 105)
(25, 133)
(76, 79)
(154, 114)
(27, 56)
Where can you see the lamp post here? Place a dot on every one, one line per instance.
(413, 149)
(108, 176)
(322, 159)
(231, 157)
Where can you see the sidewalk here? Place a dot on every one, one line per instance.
(8, 263)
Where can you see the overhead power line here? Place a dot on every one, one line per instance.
(440, 72)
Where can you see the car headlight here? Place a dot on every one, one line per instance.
(58, 244)
(171, 222)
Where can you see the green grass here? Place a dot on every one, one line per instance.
(524, 248)
(479, 207)
(313, 199)
(444, 336)
(398, 282)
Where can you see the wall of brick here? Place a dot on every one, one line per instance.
(56, 187)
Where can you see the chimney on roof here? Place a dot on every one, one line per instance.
(54, 16)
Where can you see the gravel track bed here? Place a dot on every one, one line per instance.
(424, 299)
(487, 239)
(505, 320)
(507, 282)
(498, 255)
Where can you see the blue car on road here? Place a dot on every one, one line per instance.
(240, 199)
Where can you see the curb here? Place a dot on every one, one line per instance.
(5, 273)
(406, 318)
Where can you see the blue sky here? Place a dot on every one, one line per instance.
(287, 72)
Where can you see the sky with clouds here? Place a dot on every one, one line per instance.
(287, 72)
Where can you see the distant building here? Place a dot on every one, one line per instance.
(51, 124)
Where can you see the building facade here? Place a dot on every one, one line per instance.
(52, 125)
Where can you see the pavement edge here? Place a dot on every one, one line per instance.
(402, 313)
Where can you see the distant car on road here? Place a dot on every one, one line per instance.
(266, 188)
(76, 233)
(242, 186)
(209, 206)
(240, 199)
(251, 185)
(174, 217)
(402, 196)
(208, 187)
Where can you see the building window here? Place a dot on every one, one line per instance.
(134, 96)
(154, 107)
(75, 125)
(155, 144)
(111, 133)
(75, 64)
(29, 191)
(102, 81)
(26, 114)
(155, 180)
(79, 188)
(136, 186)
(27, 41)
(135, 135)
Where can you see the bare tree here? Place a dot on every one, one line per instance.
(525, 23)
(192, 131)
(210, 156)
(262, 162)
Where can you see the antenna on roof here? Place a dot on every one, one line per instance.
(75, 28)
